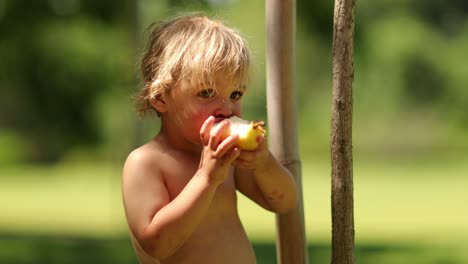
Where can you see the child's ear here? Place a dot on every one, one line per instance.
(159, 104)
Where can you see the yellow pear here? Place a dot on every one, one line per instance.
(248, 132)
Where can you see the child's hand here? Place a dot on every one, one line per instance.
(217, 154)
(256, 159)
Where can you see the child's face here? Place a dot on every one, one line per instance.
(190, 104)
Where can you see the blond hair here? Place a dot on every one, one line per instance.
(190, 47)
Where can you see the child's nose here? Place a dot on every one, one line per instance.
(225, 108)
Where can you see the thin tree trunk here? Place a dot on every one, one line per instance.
(282, 121)
(341, 134)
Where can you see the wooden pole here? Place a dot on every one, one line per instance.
(282, 121)
(341, 134)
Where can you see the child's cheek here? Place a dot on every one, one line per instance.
(195, 114)
(197, 122)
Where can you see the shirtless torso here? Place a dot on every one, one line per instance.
(220, 236)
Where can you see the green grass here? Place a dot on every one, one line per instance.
(406, 211)
(394, 201)
(46, 249)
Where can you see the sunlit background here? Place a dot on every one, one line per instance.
(69, 69)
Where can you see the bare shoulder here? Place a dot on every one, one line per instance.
(142, 165)
(143, 157)
(143, 188)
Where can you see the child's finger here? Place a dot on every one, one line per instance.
(241, 163)
(247, 155)
(215, 134)
(260, 139)
(205, 130)
(226, 145)
(232, 155)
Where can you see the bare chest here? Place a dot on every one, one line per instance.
(178, 173)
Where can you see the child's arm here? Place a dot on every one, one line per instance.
(263, 179)
(160, 225)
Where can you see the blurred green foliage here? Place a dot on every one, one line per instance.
(69, 70)
(58, 57)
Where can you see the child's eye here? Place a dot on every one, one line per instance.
(206, 93)
(236, 95)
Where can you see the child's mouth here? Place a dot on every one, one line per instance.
(221, 118)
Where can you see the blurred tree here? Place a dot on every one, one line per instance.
(317, 17)
(423, 84)
(58, 57)
(447, 16)
(188, 3)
